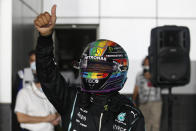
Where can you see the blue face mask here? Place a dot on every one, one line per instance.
(33, 66)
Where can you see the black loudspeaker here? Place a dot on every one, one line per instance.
(169, 56)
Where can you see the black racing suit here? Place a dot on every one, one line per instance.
(81, 111)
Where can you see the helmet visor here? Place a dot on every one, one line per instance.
(98, 67)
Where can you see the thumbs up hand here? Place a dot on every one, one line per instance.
(45, 22)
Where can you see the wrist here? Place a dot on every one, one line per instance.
(45, 34)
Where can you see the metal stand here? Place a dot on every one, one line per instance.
(170, 109)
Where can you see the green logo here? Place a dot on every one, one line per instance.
(106, 107)
(110, 49)
(121, 117)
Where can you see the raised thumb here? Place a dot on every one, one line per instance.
(53, 14)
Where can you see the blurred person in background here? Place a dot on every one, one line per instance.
(97, 105)
(24, 76)
(149, 98)
(33, 110)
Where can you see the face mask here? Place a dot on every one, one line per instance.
(33, 66)
(146, 67)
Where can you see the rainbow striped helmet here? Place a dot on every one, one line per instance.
(103, 67)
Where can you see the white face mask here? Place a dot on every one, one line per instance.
(146, 67)
(33, 66)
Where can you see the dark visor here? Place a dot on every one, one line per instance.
(94, 66)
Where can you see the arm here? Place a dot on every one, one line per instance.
(24, 118)
(53, 84)
(136, 90)
(135, 93)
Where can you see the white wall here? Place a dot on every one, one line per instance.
(5, 50)
(176, 9)
(75, 11)
(129, 23)
(33, 5)
(11, 39)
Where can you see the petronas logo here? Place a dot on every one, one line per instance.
(121, 117)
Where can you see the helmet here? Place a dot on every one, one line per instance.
(103, 67)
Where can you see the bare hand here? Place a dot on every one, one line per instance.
(56, 121)
(51, 117)
(45, 22)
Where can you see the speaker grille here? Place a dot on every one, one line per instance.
(172, 64)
